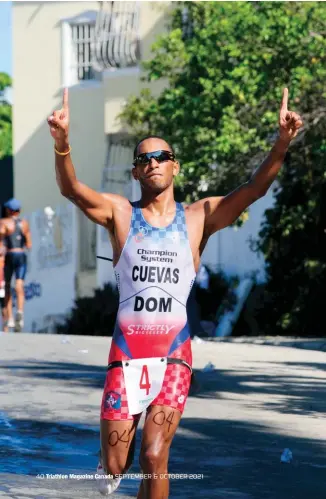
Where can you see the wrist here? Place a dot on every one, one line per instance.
(62, 145)
(282, 143)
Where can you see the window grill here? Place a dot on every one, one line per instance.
(116, 40)
(82, 40)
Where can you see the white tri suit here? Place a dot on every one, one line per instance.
(150, 357)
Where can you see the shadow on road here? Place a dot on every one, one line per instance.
(238, 460)
(297, 392)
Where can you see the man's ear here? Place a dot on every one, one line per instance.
(176, 168)
(134, 173)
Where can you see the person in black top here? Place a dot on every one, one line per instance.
(17, 239)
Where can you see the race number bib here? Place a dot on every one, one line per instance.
(143, 380)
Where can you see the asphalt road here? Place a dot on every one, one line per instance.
(256, 401)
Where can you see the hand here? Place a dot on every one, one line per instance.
(289, 122)
(59, 123)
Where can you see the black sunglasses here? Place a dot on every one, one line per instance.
(160, 156)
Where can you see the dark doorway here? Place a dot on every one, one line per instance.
(7, 181)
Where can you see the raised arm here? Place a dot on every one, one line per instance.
(96, 206)
(221, 212)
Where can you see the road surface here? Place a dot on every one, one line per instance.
(254, 402)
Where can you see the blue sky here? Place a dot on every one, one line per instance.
(5, 38)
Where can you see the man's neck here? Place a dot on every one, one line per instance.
(160, 204)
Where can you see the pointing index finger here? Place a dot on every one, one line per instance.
(65, 99)
(284, 104)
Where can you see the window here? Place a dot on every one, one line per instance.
(97, 40)
(77, 41)
(82, 39)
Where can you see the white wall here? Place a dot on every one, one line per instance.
(230, 250)
(50, 280)
(37, 92)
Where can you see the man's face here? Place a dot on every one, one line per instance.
(155, 176)
(10, 213)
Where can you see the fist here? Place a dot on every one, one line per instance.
(59, 121)
(289, 122)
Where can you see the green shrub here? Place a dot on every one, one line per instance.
(94, 315)
(218, 298)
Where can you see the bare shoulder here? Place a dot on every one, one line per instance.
(120, 204)
(203, 207)
(116, 200)
(5, 222)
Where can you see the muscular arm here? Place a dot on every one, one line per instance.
(96, 206)
(221, 212)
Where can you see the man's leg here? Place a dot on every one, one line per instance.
(8, 272)
(161, 423)
(159, 429)
(118, 431)
(20, 274)
(3, 315)
(8, 306)
(117, 445)
(20, 297)
(117, 452)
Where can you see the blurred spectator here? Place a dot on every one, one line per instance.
(17, 239)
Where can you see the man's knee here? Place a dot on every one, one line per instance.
(116, 466)
(19, 286)
(154, 458)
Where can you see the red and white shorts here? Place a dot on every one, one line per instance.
(173, 394)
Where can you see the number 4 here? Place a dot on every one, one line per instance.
(144, 380)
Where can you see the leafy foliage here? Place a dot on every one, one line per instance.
(5, 120)
(218, 298)
(94, 315)
(226, 64)
(293, 240)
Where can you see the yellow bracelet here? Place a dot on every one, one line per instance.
(63, 153)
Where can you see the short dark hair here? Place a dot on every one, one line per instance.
(151, 137)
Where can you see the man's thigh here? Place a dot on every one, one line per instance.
(20, 266)
(164, 414)
(160, 426)
(117, 445)
(118, 427)
(175, 387)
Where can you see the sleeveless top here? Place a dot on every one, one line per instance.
(154, 275)
(17, 238)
